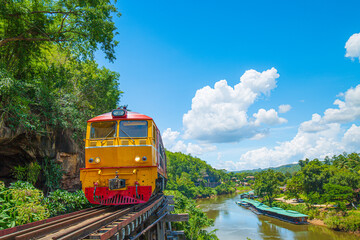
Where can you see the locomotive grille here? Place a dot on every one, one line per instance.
(116, 183)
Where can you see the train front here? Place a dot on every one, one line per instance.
(125, 159)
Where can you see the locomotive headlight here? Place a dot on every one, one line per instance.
(144, 158)
(137, 159)
(91, 160)
(97, 160)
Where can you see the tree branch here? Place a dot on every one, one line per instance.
(48, 12)
(62, 23)
(8, 40)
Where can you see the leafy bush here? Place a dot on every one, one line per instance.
(61, 201)
(28, 173)
(21, 204)
(351, 222)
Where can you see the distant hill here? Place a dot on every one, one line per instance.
(291, 168)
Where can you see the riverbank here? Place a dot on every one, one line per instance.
(235, 222)
(327, 216)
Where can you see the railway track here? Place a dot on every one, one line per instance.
(93, 223)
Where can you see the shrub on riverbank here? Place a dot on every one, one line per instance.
(350, 222)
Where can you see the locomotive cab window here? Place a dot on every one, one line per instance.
(103, 130)
(133, 129)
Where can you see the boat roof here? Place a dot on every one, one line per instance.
(280, 211)
(109, 117)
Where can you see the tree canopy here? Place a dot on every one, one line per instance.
(48, 77)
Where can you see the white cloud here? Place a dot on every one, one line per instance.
(303, 145)
(169, 137)
(219, 114)
(348, 110)
(260, 135)
(172, 143)
(314, 125)
(352, 46)
(351, 138)
(284, 108)
(268, 117)
(319, 137)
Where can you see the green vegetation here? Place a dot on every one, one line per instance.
(330, 190)
(197, 219)
(28, 173)
(61, 202)
(48, 78)
(288, 168)
(188, 178)
(22, 203)
(192, 177)
(267, 185)
(52, 173)
(49, 82)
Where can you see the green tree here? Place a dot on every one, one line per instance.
(315, 175)
(267, 185)
(338, 193)
(294, 186)
(29, 27)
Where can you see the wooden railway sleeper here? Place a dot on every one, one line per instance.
(130, 222)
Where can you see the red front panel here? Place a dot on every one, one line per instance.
(104, 196)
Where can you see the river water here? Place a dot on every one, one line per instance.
(235, 222)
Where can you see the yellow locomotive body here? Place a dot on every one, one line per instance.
(125, 159)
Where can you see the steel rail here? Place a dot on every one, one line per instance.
(44, 229)
(92, 226)
(39, 225)
(145, 210)
(83, 223)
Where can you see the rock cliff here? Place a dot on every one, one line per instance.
(19, 148)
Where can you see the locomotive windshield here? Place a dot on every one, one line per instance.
(133, 129)
(103, 129)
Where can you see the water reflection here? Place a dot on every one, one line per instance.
(235, 222)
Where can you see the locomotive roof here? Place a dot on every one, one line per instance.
(109, 117)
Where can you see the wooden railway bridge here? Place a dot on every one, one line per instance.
(147, 221)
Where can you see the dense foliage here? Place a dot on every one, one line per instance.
(190, 177)
(335, 180)
(197, 219)
(22, 203)
(330, 189)
(48, 78)
(267, 185)
(195, 178)
(288, 168)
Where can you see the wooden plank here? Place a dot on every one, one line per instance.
(170, 201)
(175, 233)
(183, 217)
(170, 208)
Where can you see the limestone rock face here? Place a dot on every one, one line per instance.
(19, 148)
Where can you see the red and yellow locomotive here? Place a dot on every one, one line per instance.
(125, 159)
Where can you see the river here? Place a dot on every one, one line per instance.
(235, 222)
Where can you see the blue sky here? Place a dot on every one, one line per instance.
(171, 54)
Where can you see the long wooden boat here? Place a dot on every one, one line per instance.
(275, 212)
(243, 204)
